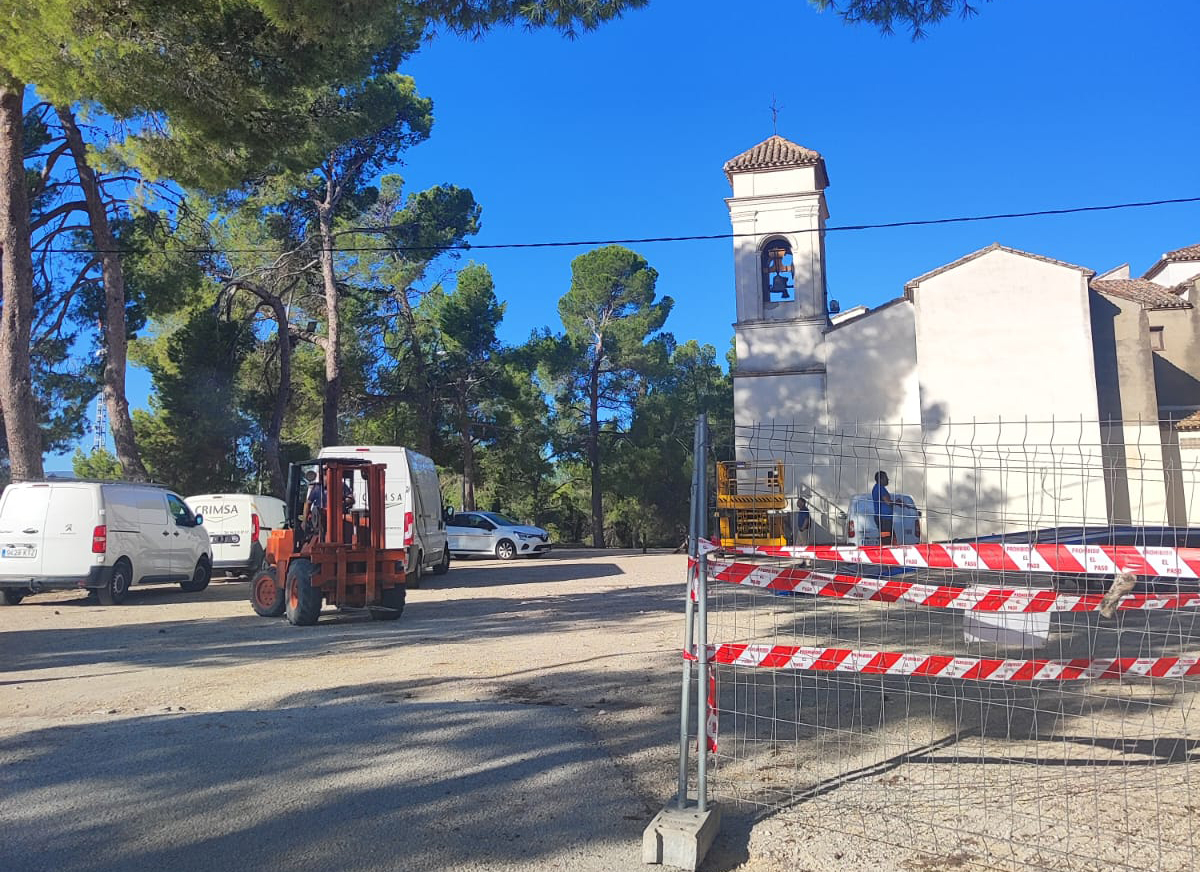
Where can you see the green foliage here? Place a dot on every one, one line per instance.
(291, 113)
(612, 345)
(652, 463)
(917, 15)
(98, 465)
(194, 436)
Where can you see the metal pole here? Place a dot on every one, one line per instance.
(689, 614)
(702, 618)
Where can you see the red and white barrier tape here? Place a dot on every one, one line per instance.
(976, 598)
(1005, 557)
(943, 666)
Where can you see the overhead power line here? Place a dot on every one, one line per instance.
(493, 246)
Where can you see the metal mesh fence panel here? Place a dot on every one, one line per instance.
(1009, 681)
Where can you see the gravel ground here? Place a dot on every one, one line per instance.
(519, 716)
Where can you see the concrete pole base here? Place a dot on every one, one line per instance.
(680, 837)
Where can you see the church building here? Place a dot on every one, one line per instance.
(1005, 390)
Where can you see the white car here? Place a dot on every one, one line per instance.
(493, 534)
(863, 529)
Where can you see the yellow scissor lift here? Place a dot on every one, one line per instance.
(751, 507)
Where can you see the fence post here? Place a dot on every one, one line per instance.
(689, 614)
(701, 635)
(680, 836)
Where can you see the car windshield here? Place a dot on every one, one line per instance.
(499, 520)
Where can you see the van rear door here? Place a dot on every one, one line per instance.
(227, 520)
(22, 524)
(71, 520)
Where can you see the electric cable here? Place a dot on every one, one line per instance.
(703, 237)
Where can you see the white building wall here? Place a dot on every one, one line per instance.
(1172, 274)
(1008, 397)
(1189, 481)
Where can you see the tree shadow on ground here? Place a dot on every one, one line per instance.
(391, 783)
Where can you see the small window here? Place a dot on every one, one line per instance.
(1156, 339)
(183, 515)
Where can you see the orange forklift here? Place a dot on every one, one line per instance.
(338, 557)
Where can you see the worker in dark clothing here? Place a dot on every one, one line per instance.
(883, 503)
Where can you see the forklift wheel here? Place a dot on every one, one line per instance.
(303, 601)
(265, 595)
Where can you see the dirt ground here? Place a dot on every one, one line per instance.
(583, 641)
(524, 716)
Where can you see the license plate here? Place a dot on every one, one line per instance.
(226, 539)
(18, 551)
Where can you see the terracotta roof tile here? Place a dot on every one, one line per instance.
(1190, 252)
(1186, 285)
(1149, 294)
(1191, 422)
(1187, 253)
(775, 153)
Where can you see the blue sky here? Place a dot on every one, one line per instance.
(1033, 104)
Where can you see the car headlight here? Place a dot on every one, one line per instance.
(527, 535)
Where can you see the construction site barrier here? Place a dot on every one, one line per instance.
(1161, 562)
(980, 598)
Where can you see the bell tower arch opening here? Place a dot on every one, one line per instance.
(778, 271)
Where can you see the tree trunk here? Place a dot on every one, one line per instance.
(271, 447)
(115, 339)
(16, 284)
(283, 395)
(594, 459)
(421, 391)
(333, 345)
(468, 452)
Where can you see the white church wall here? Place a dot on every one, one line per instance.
(776, 182)
(778, 346)
(798, 220)
(1009, 336)
(872, 364)
(1008, 396)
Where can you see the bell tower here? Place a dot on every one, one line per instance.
(778, 214)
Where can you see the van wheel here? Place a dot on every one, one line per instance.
(413, 578)
(392, 601)
(302, 604)
(258, 560)
(200, 577)
(14, 595)
(113, 593)
(443, 565)
(506, 550)
(266, 596)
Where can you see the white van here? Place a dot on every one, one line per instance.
(863, 529)
(414, 516)
(64, 535)
(238, 527)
